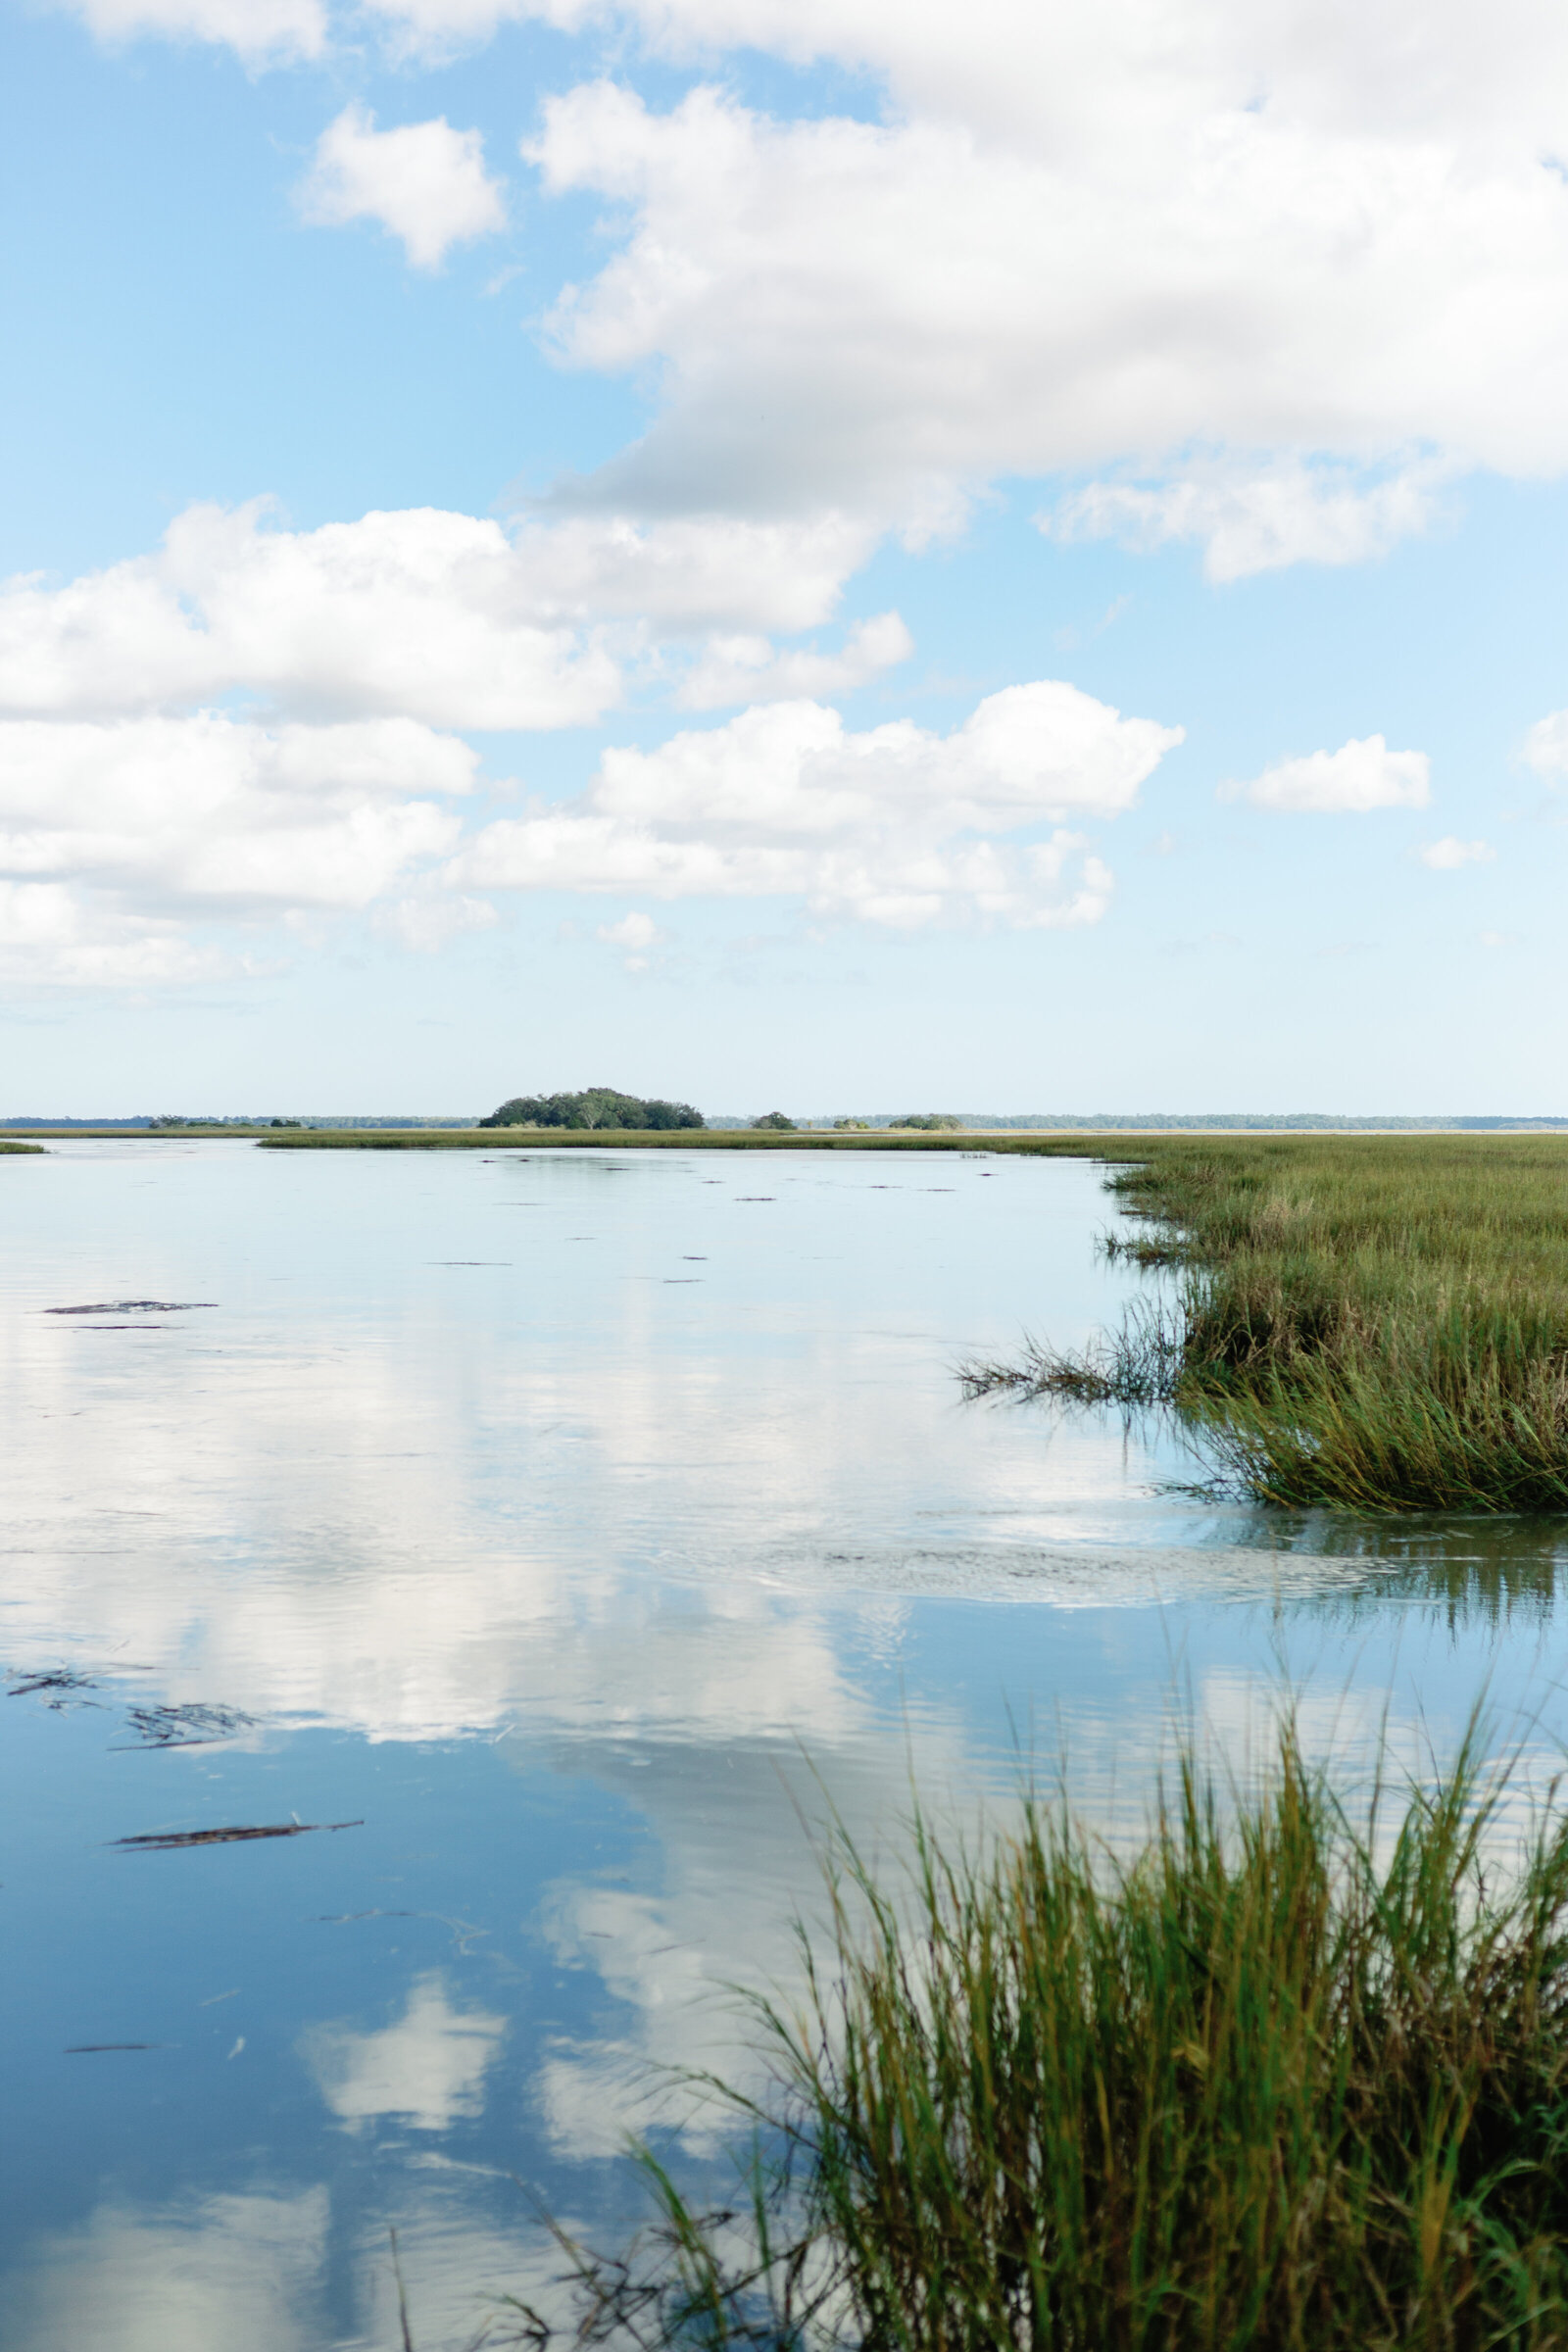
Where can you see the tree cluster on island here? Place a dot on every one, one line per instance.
(931, 1122)
(774, 1122)
(595, 1106)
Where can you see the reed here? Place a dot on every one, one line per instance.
(1372, 1323)
(1293, 2077)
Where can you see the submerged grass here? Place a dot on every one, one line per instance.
(1294, 2078)
(1372, 1323)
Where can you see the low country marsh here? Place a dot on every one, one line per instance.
(1292, 2074)
(1371, 1323)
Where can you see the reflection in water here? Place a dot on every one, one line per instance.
(559, 1517)
(241, 2272)
(428, 2067)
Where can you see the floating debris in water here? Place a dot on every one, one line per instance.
(135, 1306)
(161, 1842)
(190, 1726)
(90, 2049)
(64, 1681)
(764, 1195)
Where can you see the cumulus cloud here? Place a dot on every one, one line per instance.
(449, 618)
(117, 837)
(1259, 520)
(425, 183)
(1332, 255)
(634, 931)
(1546, 745)
(751, 669)
(895, 826)
(419, 614)
(1445, 855)
(261, 31)
(884, 313)
(1361, 776)
(131, 811)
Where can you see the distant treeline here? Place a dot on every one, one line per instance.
(595, 1106)
(632, 1112)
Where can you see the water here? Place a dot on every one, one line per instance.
(565, 1523)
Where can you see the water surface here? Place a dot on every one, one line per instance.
(553, 1519)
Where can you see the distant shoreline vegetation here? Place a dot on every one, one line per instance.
(1098, 1123)
(596, 1107)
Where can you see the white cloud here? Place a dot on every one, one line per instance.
(1143, 257)
(1331, 255)
(750, 669)
(261, 31)
(681, 573)
(116, 837)
(427, 2067)
(1258, 521)
(444, 617)
(131, 810)
(421, 613)
(889, 826)
(635, 931)
(1445, 854)
(1361, 776)
(425, 183)
(1546, 745)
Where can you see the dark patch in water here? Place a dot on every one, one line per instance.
(63, 1683)
(63, 1678)
(135, 1306)
(192, 1725)
(162, 1841)
(87, 2049)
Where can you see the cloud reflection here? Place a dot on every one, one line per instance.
(427, 2068)
(240, 2273)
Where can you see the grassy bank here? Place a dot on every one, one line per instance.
(1366, 1322)
(684, 1139)
(1295, 2079)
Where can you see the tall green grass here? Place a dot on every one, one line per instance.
(1372, 1323)
(1294, 2076)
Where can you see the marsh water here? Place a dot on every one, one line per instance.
(571, 1527)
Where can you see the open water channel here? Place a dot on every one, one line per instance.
(550, 1520)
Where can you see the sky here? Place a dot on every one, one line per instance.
(840, 554)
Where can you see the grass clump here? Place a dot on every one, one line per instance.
(1291, 2079)
(1370, 1323)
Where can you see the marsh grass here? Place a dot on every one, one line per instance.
(1293, 2077)
(1372, 1323)
(1138, 1364)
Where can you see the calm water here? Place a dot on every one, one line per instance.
(550, 1519)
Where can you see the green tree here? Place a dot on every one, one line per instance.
(930, 1122)
(776, 1123)
(596, 1107)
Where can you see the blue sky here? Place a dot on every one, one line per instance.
(831, 555)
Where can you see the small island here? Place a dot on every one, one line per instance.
(594, 1107)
